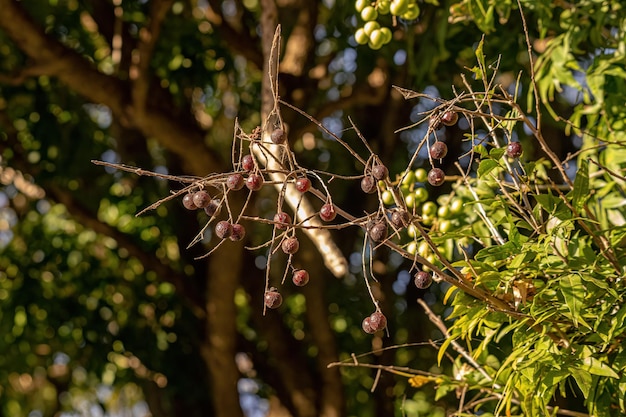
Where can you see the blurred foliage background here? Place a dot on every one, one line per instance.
(105, 313)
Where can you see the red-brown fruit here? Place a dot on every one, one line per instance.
(438, 150)
(278, 136)
(367, 326)
(378, 321)
(380, 172)
(436, 177)
(235, 182)
(213, 208)
(514, 150)
(290, 245)
(273, 299)
(254, 182)
(223, 229)
(201, 199)
(247, 163)
(282, 220)
(368, 184)
(188, 202)
(378, 231)
(449, 118)
(303, 184)
(327, 212)
(300, 277)
(423, 280)
(238, 232)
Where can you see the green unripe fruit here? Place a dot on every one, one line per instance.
(376, 39)
(421, 194)
(412, 231)
(429, 219)
(369, 13)
(361, 37)
(383, 6)
(443, 211)
(412, 12)
(387, 197)
(398, 7)
(409, 200)
(409, 179)
(421, 175)
(423, 249)
(445, 226)
(359, 5)
(429, 208)
(387, 35)
(370, 26)
(412, 248)
(456, 206)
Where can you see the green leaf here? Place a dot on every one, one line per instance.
(596, 367)
(583, 380)
(573, 291)
(581, 185)
(486, 166)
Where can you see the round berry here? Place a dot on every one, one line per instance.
(327, 212)
(213, 208)
(235, 182)
(273, 299)
(378, 321)
(439, 150)
(300, 277)
(399, 218)
(378, 231)
(290, 245)
(423, 280)
(514, 150)
(380, 172)
(303, 184)
(436, 177)
(188, 202)
(421, 175)
(254, 182)
(278, 136)
(368, 184)
(238, 232)
(367, 326)
(282, 220)
(223, 229)
(201, 199)
(449, 118)
(247, 163)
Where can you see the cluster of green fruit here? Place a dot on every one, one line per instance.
(372, 33)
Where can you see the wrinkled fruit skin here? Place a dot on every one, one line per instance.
(400, 219)
(188, 202)
(378, 321)
(238, 232)
(254, 182)
(367, 326)
(449, 118)
(273, 299)
(380, 172)
(300, 277)
(213, 208)
(223, 229)
(436, 177)
(282, 220)
(303, 185)
(247, 163)
(235, 182)
(378, 232)
(201, 199)
(438, 150)
(514, 150)
(290, 245)
(327, 212)
(368, 184)
(278, 136)
(423, 280)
